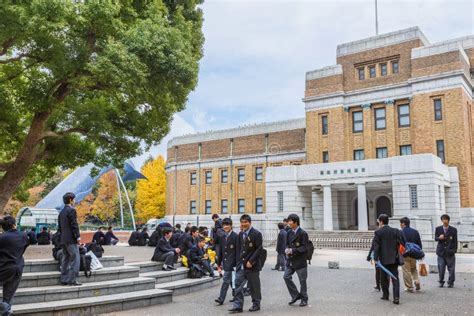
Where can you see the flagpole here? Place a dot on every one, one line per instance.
(376, 20)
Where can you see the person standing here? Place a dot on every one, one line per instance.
(280, 248)
(70, 238)
(12, 247)
(285, 223)
(386, 244)
(227, 252)
(217, 226)
(410, 273)
(297, 242)
(378, 273)
(447, 238)
(248, 266)
(164, 251)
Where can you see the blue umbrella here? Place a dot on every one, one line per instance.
(386, 270)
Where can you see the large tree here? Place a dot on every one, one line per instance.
(90, 81)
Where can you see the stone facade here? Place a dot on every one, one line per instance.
(394, 100)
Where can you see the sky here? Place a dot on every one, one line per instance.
(256, 53)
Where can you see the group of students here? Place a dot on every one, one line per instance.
(42, 238)
(392, 248)
(107, 239)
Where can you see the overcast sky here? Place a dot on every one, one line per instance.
(256, 52)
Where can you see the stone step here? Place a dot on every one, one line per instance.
(41, 279)
(44, 265)
(97, 304)
(147, 266)
(167, 276)
(185, 286)
(60, 292)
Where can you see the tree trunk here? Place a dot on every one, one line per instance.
(25, 159)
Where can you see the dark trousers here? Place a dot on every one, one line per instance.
(70, 263)
(450, 263)
(206, 266)
(169, 258)
(253, 279)
(378, 273)
(385, 281)
(302, 276)
(226, 283)
(10, 287)
(281, 262)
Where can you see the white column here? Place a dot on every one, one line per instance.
(327, 199)
(362, 207)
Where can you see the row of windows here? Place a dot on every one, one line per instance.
(382, 152)
(224, 206)
(380, 116)
(382, 70)
(225, 175)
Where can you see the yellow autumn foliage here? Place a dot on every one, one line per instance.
(151, 193)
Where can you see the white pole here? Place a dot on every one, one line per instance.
(376, 20)
(120, 195)
(128, 199)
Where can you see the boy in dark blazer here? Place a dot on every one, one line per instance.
(164, 251)
(280, 248)
(447, 238)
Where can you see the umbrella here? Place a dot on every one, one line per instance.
(386, 270)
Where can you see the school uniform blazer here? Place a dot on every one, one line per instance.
(281, 242)
(448, 246)
(250, 248)
(68, 226)
(386, 245)
(12, 247)
(298, 243)
(227, 251)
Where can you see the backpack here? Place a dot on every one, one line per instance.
(195, 272)
(85, 265)
(95, 248)
(414, 251)
(309, 251)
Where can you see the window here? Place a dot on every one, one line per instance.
(383, 69)
(325, 156)
(395, 67)
(413, 196)
(382, 152)
(208, 206)
(241, 205)
(280, 201)
(208, 177)
(359, 154)
(224, 209)
(440, 149)
(357, 122)
(380, 118)
(372, 71)
(241, 174)
(405, 150)
(438, 110)
(361, 72)
(192, 178)
(403, 115)
(324, 125)
(258, 173)
(259, 205)
(224, 176)
(192, 207)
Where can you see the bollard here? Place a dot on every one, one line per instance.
(433, 268)
(333, 264)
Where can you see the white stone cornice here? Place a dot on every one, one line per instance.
(324, 72)
(461, 43)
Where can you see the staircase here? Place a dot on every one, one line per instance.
(116, 287)
(342, 239)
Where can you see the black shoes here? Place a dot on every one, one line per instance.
(441, 284)
(396, 301)
(303, 303)
(75, 284)
(235, 310)
(384, 298)
(232, 300)
(294, 299)
(254, 308)
(219, 302)
(377, 288)
(450, 286)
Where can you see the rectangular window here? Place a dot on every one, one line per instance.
(280, 201)
(380, 118)
(395, 67)
(224, 209)
(208, 206)
(258, 173)
(413, 196)
(359, 154)
(383, 69)
(208, 177)
(357, 122)
(372, 71)
(403, 115)
(324, 125)
(192, 207)
(405, 150)
(361, 72)
(440, 149)
(382, 152)
(224, 176)
(192, 178)
(241, 174)
(259, 205)
(438, 110)
(325, 156)
(241, 205)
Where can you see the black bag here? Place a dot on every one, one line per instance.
(55, 253)
(309, 251)
(86, 265)
(262, 257)
(95, 248)
(195, 272)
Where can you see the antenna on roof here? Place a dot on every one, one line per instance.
(376, 20)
